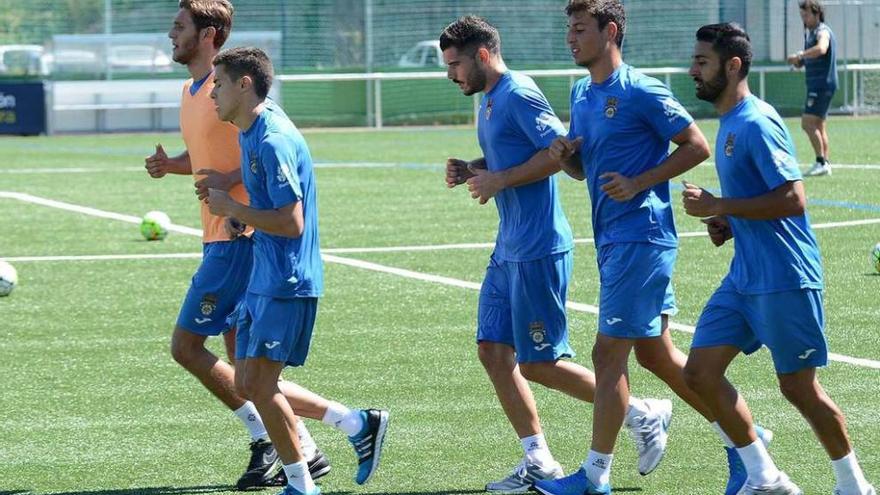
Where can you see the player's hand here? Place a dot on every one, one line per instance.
(211, 179)
(158, 163)
(719, 229)
(457, 172)
(234, 227)
(699, 202)
(795, 61)
(484, 185)
(562, 148)
(220, 203)
(619, 187)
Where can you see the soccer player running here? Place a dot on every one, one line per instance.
(773, 293)
(522, 332)
(199, 30)
(819, 57)
(621, 127)
(280, 306)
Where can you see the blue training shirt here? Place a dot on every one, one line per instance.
(627, 123)
(515, 122)
(276, 169)
(754, 154)
(821, 72)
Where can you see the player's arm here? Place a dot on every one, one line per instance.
(823, 43)
(484, 185)
(692, 148)
(159, 163)
(787, 200)
(286, 221)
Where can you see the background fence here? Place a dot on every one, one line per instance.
(63, 40)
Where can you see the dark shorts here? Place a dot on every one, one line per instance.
(817, 103)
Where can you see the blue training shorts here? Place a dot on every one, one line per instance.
(818, 103)
(277, 329)
(217, 286)
(790, 323)
(522, 304)
(635, 289)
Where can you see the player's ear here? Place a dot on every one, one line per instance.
(733, 67)
(209, 33)
(246, 82)
(611, 30)
(483, 54)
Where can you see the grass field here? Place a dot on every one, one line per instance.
(92, 403)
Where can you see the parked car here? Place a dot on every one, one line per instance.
(138, 58)
(423, 54)
(72, 61)
(22, 60)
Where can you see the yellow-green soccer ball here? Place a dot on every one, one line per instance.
(8, 278)
(875, 257)
(154, 226)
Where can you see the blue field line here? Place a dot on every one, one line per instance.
(810, 201)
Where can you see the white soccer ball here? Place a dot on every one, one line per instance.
(875, 257)
(155, 225)
(8, 278)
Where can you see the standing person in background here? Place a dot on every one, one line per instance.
(819, 58)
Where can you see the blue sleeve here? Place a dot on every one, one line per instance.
(278, 158)
(660, 110)
(534, 117)
(772, 152)
(575, 90)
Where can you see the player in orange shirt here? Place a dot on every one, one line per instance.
(212, 156)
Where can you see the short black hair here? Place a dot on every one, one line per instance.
(813, 6)
(729, 40)
(604, 11)
(248, 61)
(469, 33)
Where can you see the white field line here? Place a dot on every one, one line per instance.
(27, 198)
(105, 257)
(330, 258)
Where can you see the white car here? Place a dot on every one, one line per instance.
(22, 60)
(423, 54)
(138, 58)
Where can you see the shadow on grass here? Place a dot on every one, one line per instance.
(157, 490)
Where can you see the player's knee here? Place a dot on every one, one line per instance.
(256, 390)
(801, 394)
(652, 361)
(495, 358)
(700, 379)
(184, 353)
(536, 372)
(605, 359)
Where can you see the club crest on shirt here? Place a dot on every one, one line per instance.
(728, 144)
(253, 162)
(672, 108)
(488, 108)
(610, 107)
(208, 304)
(536, 331)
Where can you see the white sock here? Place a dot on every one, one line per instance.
(347, 420)
(306, 442)
(252, 421)
(724, 438)
(298, 476)
(537, 451)
(759, 465)
(849, 474)
(637, 408)
(598, 467)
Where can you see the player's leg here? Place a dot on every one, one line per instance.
(495, 349)
(797, 343)
(813, 123)
(539, 290)
(722, 333)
